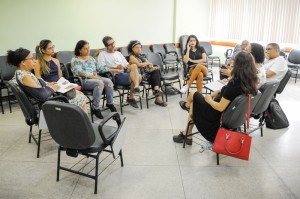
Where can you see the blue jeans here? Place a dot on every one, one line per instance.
(93, 84)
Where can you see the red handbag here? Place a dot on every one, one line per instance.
(231, 143)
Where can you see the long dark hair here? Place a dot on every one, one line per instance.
(79, 46)
(258, 52)
(245, 73)
(39, 55)
(197, 41)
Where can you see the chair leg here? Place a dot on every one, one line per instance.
(96, 173)
(9, 102)
(30, 134)
(166, 92)
(218, 162)
(1, 102)
(58, 164)
(39, 144)
(121, 158)
(179, 82)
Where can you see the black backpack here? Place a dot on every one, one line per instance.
(275, 117)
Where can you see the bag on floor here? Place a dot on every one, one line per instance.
(275, 117)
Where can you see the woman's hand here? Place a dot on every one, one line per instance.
(188, 47)
(51, 83)
(208, 98)
(226, 72)
(55, 87)
(214, 94)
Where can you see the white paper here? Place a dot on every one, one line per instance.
(65, 85)
(213, 86)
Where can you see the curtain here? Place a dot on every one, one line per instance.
(256, 20)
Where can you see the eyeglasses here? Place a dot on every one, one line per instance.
(31, 58)
(50, 48)
(111, 44)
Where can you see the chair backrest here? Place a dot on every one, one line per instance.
(182, 41)
(29, 111)
(93, 52)
(170, 48)
(155, 59)
(64, 71)
(145, 50)
(159, 48)
(235, 115)
(68, 66)
(65, 57)
(284, 81)
(7, 71)
(294, 56)
(68, 125)
(207, 47)
(124, 52)
(237, 48)
(268, 90)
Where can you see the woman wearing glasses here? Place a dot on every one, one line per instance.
(25, 62)
(46, 66)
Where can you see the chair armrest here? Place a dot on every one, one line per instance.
(115, 116)
(59, 98)
(76, 80)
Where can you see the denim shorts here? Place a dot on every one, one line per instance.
(122, 79)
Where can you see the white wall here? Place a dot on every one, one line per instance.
(25, 23)
(193, 18)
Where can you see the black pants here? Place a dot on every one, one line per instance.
(155, 79)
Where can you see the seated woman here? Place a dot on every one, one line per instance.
(194, 57)
(46, 66)
(258, 54)
(85, 66)
(24, 60)
(206, 111)
(146, 68)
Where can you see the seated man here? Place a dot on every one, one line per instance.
(275, 65)
(125, 74)
(226, 69)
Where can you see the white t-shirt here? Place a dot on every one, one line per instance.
(262, 76)
(279, 66)
(111, 60)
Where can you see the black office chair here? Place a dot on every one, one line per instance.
(182, 42)
(65, 57)
(167, 78)
(169, 59)
(171, 49)
(268, 90)
(124, 52)
(71, 128)
(235, 115)
(294, 62)
(145, 50)
(283, 82)
(31, 113)
(7, 73)
(208, 49)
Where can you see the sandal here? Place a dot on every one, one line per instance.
(162, 103)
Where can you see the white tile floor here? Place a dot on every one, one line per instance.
(155, 167)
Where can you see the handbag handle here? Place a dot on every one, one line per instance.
(233, 153)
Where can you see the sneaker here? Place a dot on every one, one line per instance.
(157, 93)
(111, 107)
(207, 146)
(184, 89)
(132, 102)
(180, 139)
(136, 90)
(97, 112)
(183, 105)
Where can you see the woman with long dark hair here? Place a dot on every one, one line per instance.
(146, 69)
(194, 57)
(206, 111)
